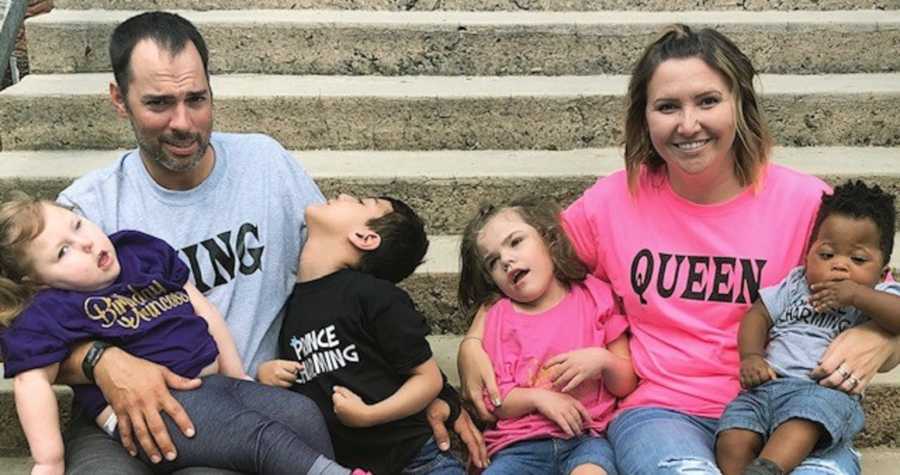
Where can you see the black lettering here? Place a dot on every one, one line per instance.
(666, 292)
(723, 268)
(191, 253)
(750, 280)
(223, 257)
(254, 252)
(694, 277)
(640, 281)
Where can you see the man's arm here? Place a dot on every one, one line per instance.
(138, 391)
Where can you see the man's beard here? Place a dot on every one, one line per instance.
(157, 154)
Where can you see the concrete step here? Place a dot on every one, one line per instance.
(72, 111)
(358, 42)
(446, 187)
(487, 5)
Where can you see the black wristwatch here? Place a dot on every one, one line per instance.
(92, 357)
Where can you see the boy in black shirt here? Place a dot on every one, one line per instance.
(354, 342)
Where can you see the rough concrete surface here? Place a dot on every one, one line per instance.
(510, 5)
(450, 113)
(448, 186)
(472, 43)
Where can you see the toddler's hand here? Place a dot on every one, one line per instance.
(349, 408)
(832, 294)
(568, 370)
(281, 373)
(755, 371)
(566, 411)
(48, 469)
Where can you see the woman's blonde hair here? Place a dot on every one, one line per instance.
(753, 143)
(21, 221)
(477, 288)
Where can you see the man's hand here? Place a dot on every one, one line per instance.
(438, 412)
(570, 369)
(567, 412)
(350, 408)
(476, 373)
(832, 294)
(755, 371)
(281, 373)
(57, 468)
(138, 391)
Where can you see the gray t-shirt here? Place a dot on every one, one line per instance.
(239, 232)
(799, 335)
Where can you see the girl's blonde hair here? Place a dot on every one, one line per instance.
(476, 288)
(753, 142)
(21, 221)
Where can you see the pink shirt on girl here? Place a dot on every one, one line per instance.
(687, 273)
(519, 345)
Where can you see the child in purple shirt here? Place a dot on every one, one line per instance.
(62, 280)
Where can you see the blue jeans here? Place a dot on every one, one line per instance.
(651, 441)
(240, 426)
(552, 456)
(432, 461)
(763, 408)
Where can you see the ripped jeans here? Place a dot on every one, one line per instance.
(651, 441)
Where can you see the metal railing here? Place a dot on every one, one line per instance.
(12, 12)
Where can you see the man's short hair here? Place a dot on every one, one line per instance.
(403, 243)
(168, 30)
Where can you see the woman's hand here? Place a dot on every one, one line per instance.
(567, 412)
(476, 374)
(570, 369)
(854, 357)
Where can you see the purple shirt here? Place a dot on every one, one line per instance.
(146, 312)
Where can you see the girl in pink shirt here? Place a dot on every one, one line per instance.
(556, 340)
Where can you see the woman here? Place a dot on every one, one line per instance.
(686, 235)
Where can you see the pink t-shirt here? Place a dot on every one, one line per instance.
(687, 273)
(519, 345)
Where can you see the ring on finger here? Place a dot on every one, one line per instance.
(842, 370)
(852, 381)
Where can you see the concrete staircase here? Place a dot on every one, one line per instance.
(447, 103)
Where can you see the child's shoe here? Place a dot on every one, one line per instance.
(762, 466)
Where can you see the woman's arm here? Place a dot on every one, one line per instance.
(422, 386)
(229, 359)
(39, 416)
(618, 373)
(476, 373)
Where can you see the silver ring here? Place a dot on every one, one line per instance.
(843, 372)
(853, 381)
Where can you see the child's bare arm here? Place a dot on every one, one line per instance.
(883, 307)
(618, 374)
(39, 416)
(229, 359)
(422, 386)
(752, 338)
(566, 411)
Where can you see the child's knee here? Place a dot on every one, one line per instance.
(738, 442)
(588, 469)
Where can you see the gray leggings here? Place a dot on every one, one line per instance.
(240, 426)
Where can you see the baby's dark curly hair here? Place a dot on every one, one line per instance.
(857, 200)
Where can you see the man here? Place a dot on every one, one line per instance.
(231, 203)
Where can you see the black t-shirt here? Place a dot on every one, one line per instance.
(353, 330)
